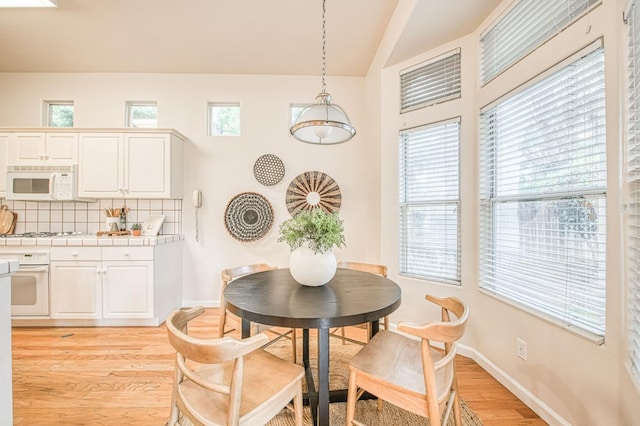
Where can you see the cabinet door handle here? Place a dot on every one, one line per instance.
(127, 254)
(74, 254)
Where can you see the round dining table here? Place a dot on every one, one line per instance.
(275, 298)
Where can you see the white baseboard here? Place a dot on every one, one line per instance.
(538, 406)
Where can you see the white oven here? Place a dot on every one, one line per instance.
(30, 284)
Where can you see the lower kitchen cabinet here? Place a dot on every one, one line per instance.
(75, 290)
(127, 290)
(115, 285)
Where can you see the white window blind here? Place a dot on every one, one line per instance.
(543, 195)
(633, 190)
(526, 25)
(430, 202)
(434, 81)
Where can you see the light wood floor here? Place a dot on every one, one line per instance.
(122, 375)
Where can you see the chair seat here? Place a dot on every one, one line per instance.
(396, 360)
(266, 379)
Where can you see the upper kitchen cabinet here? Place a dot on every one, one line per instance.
(132, 164)
(43, 148)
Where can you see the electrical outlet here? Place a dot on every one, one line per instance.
(521, 348)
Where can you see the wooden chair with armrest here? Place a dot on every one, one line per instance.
(228, 381)
(373, 269)
(391, 365)
(226, 318)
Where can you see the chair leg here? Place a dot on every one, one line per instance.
(457, 415)
(222, 318)
(175, 412)
(297, 406)
(342, 332)
(351, 398)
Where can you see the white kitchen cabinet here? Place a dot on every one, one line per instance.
(128, 285)
(100, 165)
(43, 147)
(75, 283)
(76, 290)
(130, 164)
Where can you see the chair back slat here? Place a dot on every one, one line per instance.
(365, 267)
(208, 351)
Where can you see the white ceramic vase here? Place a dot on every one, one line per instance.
(312, 269)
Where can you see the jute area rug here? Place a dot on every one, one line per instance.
(366, 410)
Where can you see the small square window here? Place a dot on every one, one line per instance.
(142, 114)
(224, 119)
(58, 113)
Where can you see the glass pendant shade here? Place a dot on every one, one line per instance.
(323, 123)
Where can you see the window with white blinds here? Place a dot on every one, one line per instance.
(430, 202)
(543, 195)
(437, 80)
(632, 230)
(526, 25)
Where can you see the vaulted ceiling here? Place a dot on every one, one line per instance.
(224, 36)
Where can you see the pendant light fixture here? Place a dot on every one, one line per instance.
(323, 123)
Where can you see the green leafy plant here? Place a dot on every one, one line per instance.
(322, 231)
(136, 226)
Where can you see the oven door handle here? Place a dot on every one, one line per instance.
(39, 268)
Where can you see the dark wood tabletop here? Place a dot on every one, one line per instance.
(275, 298)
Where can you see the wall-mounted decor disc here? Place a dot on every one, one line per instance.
(268, 170)
(248, 216)
(311, 190)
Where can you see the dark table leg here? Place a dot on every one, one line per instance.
(311, 397)
(246, 328)
(323, 377)
(375, 327)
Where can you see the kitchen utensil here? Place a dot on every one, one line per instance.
(6, 219)
(13, 225)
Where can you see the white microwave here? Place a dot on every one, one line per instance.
(42, 183)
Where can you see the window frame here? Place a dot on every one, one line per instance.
(210, 121)
(47, 113)
(129, 111)
(424, 201)
(631, 18)
(488, 198)
(439, 70)
(520, 27)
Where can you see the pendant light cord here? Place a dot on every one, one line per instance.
(324, 50)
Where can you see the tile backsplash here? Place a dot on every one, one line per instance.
(38, 216)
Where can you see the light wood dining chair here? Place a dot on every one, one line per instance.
(373, 269)
(229, 322)
(415, 375)
(228, 381)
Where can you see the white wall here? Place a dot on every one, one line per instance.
(223, 166)
(566, 379)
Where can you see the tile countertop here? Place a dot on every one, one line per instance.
(90, 240)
